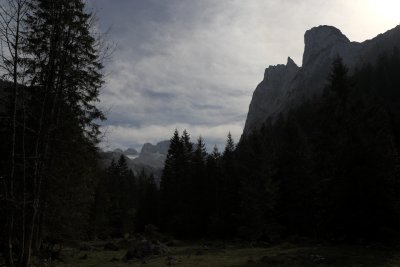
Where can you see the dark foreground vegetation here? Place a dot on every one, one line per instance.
(51, 66)
(327, 170)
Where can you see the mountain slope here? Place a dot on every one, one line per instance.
(286, 86)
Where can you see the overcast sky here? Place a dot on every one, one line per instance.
(194, 64)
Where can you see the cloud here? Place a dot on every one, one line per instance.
(195, 64)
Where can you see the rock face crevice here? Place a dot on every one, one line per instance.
(285, 86)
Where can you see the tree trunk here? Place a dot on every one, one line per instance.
(29, 235)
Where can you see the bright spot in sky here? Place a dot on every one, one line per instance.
(387, 10)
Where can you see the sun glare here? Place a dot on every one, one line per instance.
(388, 10)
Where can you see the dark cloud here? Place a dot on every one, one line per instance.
(164, 96)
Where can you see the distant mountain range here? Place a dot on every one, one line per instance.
(286, 86)
(150, 159)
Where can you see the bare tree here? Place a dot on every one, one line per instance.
(12, 13)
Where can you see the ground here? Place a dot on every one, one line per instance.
(284, 255)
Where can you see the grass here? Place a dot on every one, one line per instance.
(285, 255)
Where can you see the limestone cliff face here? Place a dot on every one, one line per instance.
(285, 86)
(270, 94)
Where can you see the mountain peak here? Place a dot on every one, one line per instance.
(321, 38)
(160, 147)
(290, 63)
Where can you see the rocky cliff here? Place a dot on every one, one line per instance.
(285, 86)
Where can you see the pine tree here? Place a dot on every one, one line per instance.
(122, 166)
(171, 183)
(339, 80)
(63, 74)
(215, 153)
(258, 190)
(230, 183)
(148, 210)
(187, 148)
(171, 165)
(229, 146)
(214, 181)
(117, 199)
(200, 152)
(199, 210)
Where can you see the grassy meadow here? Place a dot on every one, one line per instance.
(234, 255)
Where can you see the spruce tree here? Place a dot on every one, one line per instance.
(230, 183)
(170, 184)
(187, 148)
(338, 79)
(214, 180)
(63, 74)
(229, 146)
(199, 210)
(148, 210)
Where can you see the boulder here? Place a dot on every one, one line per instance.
(144, 248)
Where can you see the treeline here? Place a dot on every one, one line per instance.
(191, 201)
(124, 203)
(328, 169)
(198, 191)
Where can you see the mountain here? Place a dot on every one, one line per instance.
(150, 159)
(153, 155)
(161, 147)
(131, 153)
(286, 86)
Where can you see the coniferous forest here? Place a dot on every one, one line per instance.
(327, 170)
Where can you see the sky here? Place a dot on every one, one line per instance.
(194, 64)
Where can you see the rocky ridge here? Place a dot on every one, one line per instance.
(150, 159)
(285, 86)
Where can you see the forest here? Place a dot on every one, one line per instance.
(328, 170)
